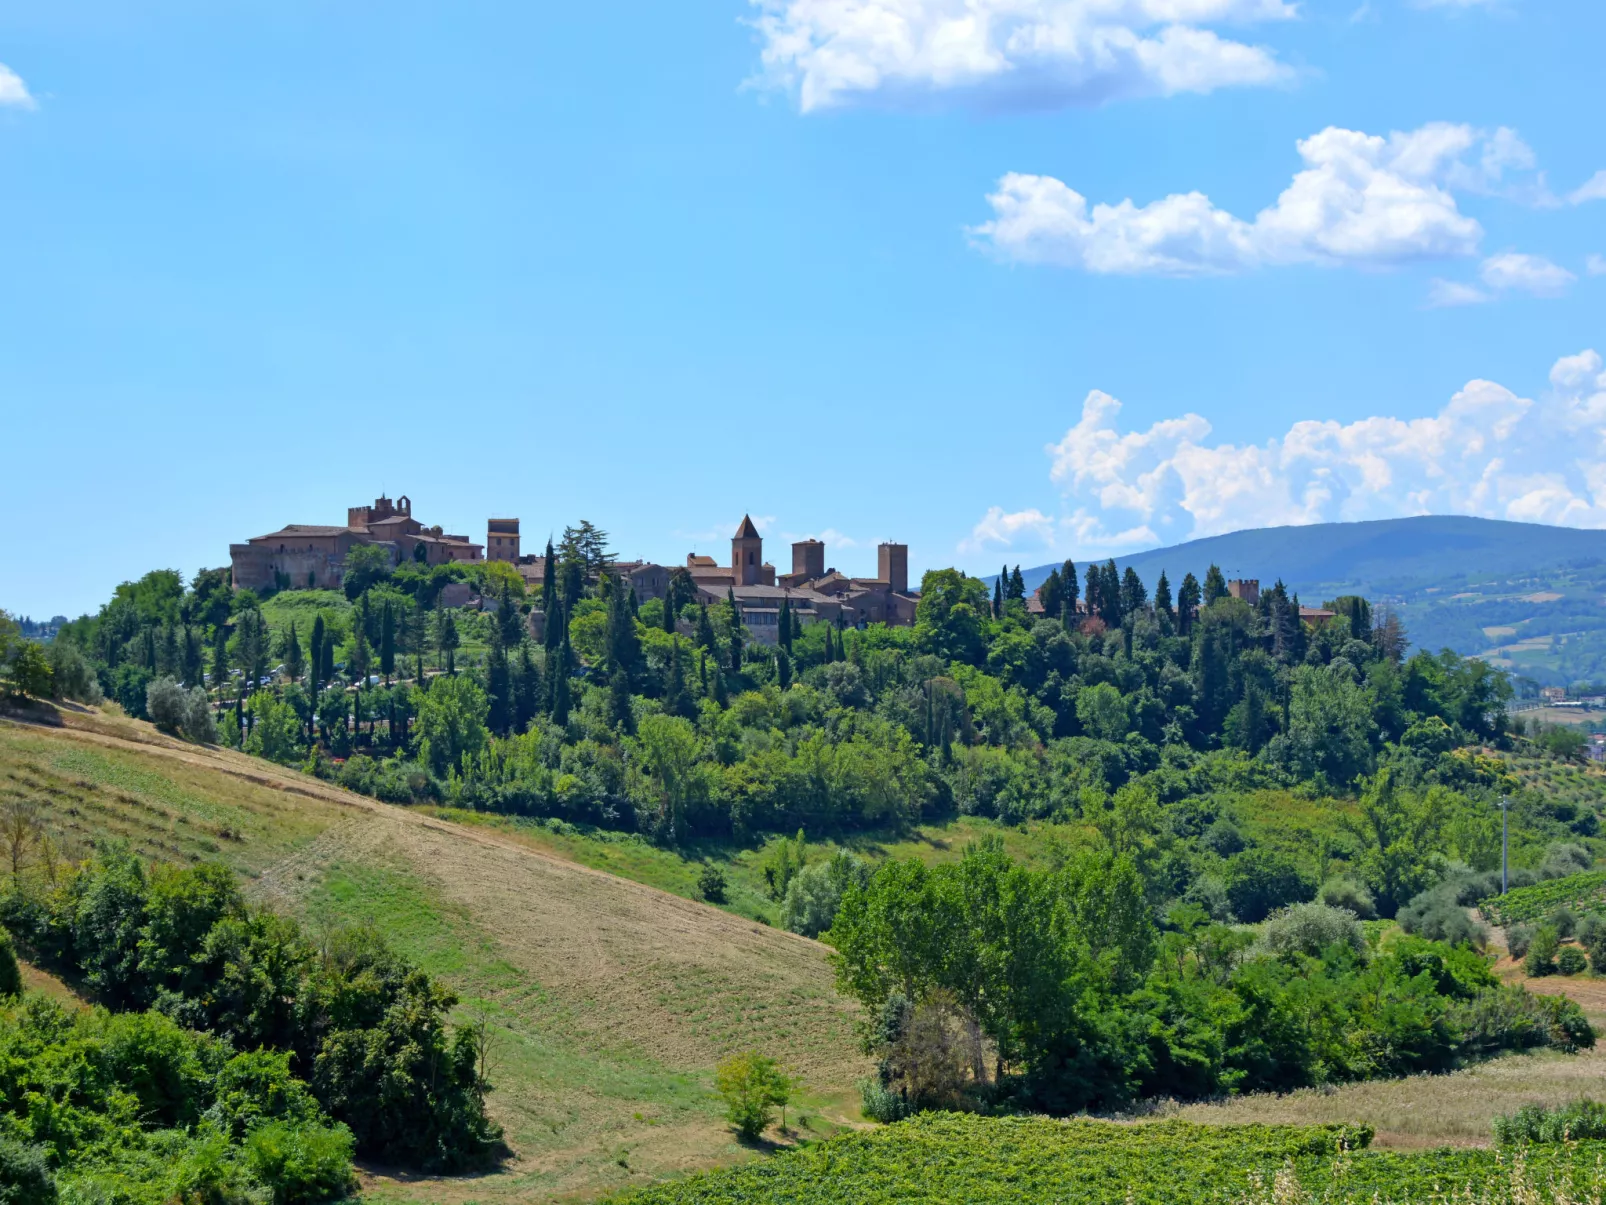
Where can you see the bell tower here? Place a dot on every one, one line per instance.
(747, 554)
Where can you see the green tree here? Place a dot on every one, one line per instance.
(753, 1087)
(1069, 584)
(671, 755)
(447, 640)
(387, 642)
(451, 723)
(948, 617)
(366, 565)
(315, 645)
(1189, 597)
(783, 623)
(1215, 586)
(1162, 597)
(1102, 712)
(294, 664)
(29, 672)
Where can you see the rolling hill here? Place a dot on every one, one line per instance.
(612, 1001)
(1525, 596)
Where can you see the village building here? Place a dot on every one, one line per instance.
(812, 591)
(307, 556)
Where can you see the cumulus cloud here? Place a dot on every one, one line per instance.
(1443, 293)
(1361, 199)
(13, 91)
(1010, 53)
(1530, 273)
(1486, 452)
(1593, 189)
(1001, 529)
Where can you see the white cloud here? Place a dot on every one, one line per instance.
(1361, 199)
(1442, 293)
(1010, 53)
(1531, 273)
(1595, 265)
(1592, 189)
(1486, 452)
(830, 537)
(13, 91)
(998, 529)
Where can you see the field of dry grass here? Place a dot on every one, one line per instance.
(612, 1000)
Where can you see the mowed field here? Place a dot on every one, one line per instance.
(612, 1000)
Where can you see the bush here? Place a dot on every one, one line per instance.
(1312, 928)
(815, 893)
(1349, 895)
(10, 972)
(1570, 960)
(711, 883)
(1260, 881)
(881, 1103)
(1582, 1120)
(199, 724)
(165, 704)
(1437, 916)
(303, 1164)
(1518, 939)
(74, 676)
(1563, 922)
(25, 1177)
(1541, 956)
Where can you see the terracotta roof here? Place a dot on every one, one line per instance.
(747, 531)
(301, 529)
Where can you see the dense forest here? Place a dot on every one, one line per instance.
(1199, 763)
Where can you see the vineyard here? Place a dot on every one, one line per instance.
(953, 1157)
(1579, 892)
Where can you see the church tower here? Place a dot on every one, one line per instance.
(747, 554)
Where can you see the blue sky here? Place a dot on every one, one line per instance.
(858, 267)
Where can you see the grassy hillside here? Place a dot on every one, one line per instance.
(1525, 595)
(613, 1001)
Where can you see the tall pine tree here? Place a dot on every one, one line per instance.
(387, 642)
(1162, 596)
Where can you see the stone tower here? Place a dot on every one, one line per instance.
(808, 560)
(892, 566)
(747, 554)
(502, 540)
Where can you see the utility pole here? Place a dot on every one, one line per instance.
(1503, 845)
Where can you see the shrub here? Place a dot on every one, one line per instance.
(74, 676)
(1563, 922)
(199, 724)
(1518, 939)
(815, 893)
(1438, 915)
(711, 883)
(1312, 928)
(1210, 893)
(165, 705)
(303, 1164)
(1582, 1120)
(1570, 960)
(881, 1103)
(10, 973)
(25, 1177)
(752, 1086)
(1349, 895)
(1541, 956)
(1261, 881)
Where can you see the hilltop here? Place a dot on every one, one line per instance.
(1525, 596)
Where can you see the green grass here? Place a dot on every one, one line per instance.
(1025, 1161)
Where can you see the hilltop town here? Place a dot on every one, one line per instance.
(308, 556)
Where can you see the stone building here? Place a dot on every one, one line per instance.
(502, 540)
(307, 556)
(813, 591)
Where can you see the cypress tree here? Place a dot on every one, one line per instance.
(1052, 594)
(526, 689)
(998, 592)
(669, 612)
(1068, 582)
(783, 624)
(1187, 603)
(292, 654)
(1017, 585)
(677, 701)
(702, 671)
(220, 658)
(721, 695)
(783, 668)
(705, 628)
(387, 642)
(1092, 597)
(1215, 586)
(549, 581)
(635, 607)
(1133, 595)
(1162, 596)
(736, 638)
(192, 656)
(620, 714)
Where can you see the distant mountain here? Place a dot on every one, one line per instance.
(1394, 558)
(1527, 597)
